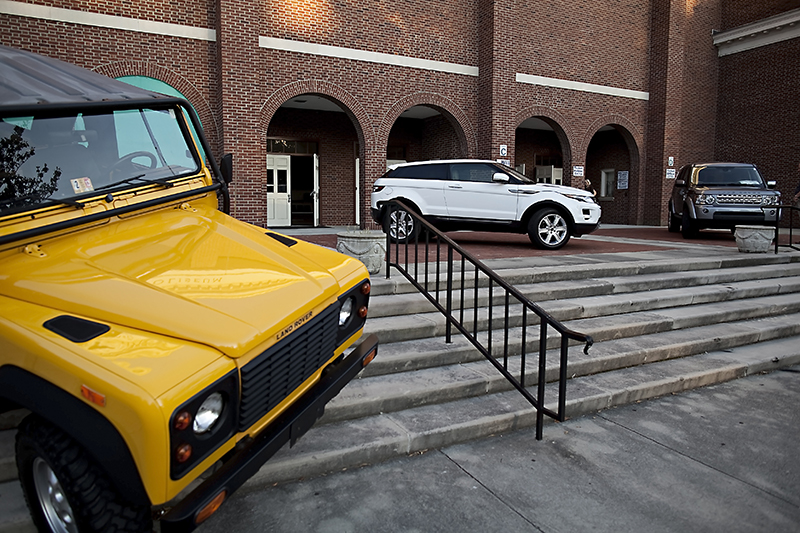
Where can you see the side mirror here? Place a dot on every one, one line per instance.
(499, 177)
(680, 183)
(226, 167)
(772, 184)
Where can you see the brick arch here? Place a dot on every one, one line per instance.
(628, 130)
(454, 114)
(181, 84)
(348, 103)
(633, 205)
(558, 122)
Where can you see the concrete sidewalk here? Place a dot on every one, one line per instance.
(722, 458)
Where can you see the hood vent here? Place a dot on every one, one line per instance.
(75, 329)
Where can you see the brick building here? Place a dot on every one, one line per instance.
(313, 97)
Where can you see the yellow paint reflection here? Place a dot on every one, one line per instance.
(221, 284)
(130, 351)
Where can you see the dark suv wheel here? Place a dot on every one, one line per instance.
(688, 226)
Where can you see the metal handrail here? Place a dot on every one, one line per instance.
(493, 281)
(792, 209)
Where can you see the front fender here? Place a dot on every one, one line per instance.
(87, 426)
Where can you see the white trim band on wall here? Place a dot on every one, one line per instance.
(85, 18)
(580, 86)
(362, 55)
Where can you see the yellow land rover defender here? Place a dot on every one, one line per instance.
(152, 337)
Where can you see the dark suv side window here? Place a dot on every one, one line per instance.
(472, 172)
(421, 172)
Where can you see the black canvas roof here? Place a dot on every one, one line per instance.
(32, 80)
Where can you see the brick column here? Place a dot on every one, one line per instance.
(496, 82)
(239, 97)
(682, 112)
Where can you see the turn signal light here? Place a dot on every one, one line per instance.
(183, 420)
(366, 287)
(183, 453)
(368, 359)
(362, 311)
(211, 508)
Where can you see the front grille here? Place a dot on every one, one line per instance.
(741, 199)
(269, 378)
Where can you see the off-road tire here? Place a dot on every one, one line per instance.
(688, 226)
(548, 229)
(92, 502)
(674, 223)
(400, 226)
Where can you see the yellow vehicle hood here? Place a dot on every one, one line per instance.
(192, 274)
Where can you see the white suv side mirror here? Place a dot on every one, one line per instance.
(499, 177)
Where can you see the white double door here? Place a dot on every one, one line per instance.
(279, 190)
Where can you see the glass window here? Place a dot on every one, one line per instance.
(423, 172)
(46, 159)
(158, 86)
(481, 172)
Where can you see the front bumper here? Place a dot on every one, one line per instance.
(288, 427)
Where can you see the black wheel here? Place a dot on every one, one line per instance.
(674, 224)
(548, 229)
(65, 490)
(400, 226)
(688, 226)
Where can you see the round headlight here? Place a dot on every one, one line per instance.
(346, 311)
(208, 414)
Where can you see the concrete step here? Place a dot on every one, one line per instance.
(574, 268)
(380, 437)
(392, 392)
(414, 303)
(425, 325)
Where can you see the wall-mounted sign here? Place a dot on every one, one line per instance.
(503, 150)
(577, 171)
(671, 161)
(622, 180)
(506, 162)
(670, 173)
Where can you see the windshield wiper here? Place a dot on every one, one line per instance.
(139, 177)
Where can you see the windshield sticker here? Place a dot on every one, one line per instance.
(80, 185)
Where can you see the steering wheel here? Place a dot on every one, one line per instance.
(128, 159)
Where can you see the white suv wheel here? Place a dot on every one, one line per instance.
(548, 229)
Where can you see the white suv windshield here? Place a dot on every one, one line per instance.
(58, 159)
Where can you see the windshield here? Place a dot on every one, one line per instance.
(522, 177)
(60, 159)
(719, 176)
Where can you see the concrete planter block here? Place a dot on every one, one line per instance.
(754, 239)
(368, 246)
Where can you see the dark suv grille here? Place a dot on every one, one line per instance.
(738, 198)
(269, 378)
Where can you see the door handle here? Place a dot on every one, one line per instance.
(455, 187)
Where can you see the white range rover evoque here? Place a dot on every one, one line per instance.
(469, 194)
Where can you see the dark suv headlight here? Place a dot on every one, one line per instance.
(201, 424)
(706, 199)
(353, 307)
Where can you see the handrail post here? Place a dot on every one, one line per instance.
(448, 326)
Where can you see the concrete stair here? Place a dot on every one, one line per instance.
(662, 322)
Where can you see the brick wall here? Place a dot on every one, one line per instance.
(660, 46)
(759, 113)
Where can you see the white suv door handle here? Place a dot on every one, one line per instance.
(455, 187)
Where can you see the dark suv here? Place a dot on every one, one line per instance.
(721, 195)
